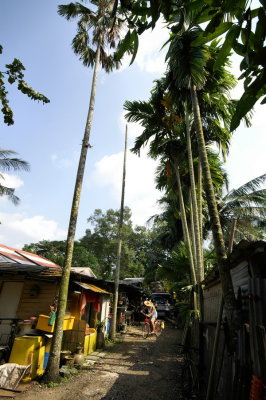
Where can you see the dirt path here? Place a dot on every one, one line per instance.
(132, 370)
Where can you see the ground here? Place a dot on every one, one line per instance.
(133, 369)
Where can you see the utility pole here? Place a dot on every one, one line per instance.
(119, 245)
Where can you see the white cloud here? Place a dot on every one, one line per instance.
(63, 162)
(150, 56)
(11, 181)
(134, 128)
(140, 191)
(18, 229)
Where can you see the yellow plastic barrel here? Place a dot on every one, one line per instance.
(29, 350)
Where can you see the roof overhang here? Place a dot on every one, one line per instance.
(93, 288)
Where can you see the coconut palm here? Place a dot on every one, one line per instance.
(8, 163)
(96, 33)
(243, 212)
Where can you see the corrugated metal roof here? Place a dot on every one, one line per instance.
(12, 255)
(83, 271)
(94, 288)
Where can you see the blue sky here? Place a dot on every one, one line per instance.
(49, 136)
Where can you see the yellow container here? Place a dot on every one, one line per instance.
(43, 320)
(90, 342)
(28, 350)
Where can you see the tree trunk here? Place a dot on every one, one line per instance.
(185, 226)
(198, 266)
(225, 276)
(193, 242)
(199, 197)
(117, 270)
(232, 236)
(52, 371)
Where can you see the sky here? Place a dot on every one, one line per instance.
(49, 136)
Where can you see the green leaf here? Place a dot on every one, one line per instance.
(222, 28)
(123, 46)
(254, 13)
(214, 23)
(227, 45)
(240, 49)
(248, 99)
(260, 29)
(135, 40)
(155, 11)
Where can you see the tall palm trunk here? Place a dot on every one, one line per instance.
(198, 268)
(232, 236)
(192, 226)
(199, 199)
(120, 227)
(185, 225)
(225, 276)
(52, 371)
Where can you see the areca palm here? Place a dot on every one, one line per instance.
(8, 163)
(187, 64)
(97, 32)
(159, 126)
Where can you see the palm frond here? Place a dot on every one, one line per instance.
(14, 164)
(9, 192)
(248, 187)
(73, 10)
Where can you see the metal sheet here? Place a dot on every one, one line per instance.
(91, 287)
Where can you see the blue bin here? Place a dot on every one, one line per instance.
(46, 358)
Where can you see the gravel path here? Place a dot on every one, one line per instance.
(134, 369)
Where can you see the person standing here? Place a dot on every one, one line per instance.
(152, 313)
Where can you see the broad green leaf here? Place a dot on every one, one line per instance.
(214, 23)
(227, 45)
(135, 42)
(260, 31)
(204, 16)
(255, 12)
(248, 99)
(239, 49)
(222, 28)
(123, 46)
(155, 11)
(263, 101)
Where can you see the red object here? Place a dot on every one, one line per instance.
(256, 389)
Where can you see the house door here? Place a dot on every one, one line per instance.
(9, 299)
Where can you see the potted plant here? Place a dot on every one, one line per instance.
(100, 325)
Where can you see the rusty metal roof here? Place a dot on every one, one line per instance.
(11, 257)
(94, 288)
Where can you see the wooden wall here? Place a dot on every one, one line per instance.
(212, 298)
(33, 301)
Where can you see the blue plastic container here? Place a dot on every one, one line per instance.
(46, 358)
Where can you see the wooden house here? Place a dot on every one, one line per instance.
(29, 287)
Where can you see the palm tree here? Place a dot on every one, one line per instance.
(96, 32)
(187, 64)
(243, 212)
(10, 164)
(162, 127)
